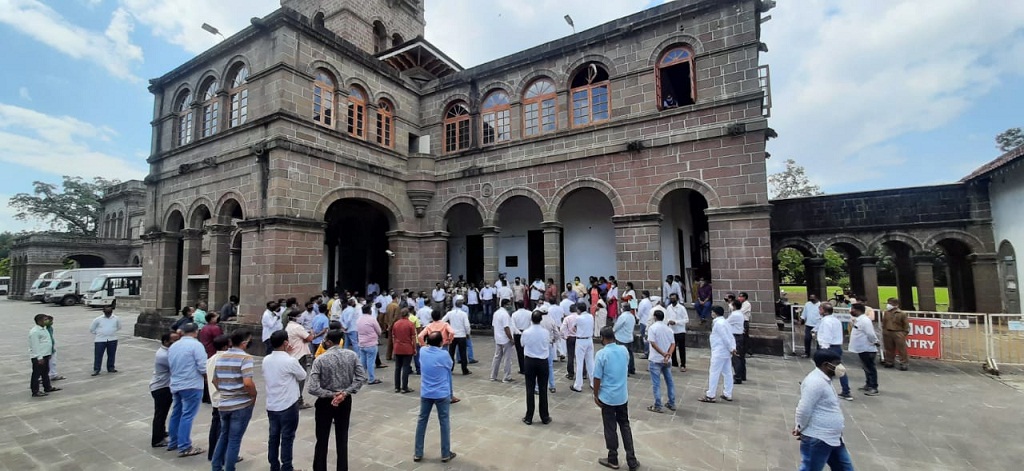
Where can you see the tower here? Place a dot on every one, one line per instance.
(372, 25)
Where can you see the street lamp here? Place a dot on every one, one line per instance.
(568, 19)
(212, 30)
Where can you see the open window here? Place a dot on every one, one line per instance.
(456, 128)
(380, 37)
(590, 95)
(495, 118)
(540, 114)
(676, 78)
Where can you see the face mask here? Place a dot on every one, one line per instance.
(838, 371)
(888, 307)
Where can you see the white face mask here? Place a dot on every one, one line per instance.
(888, 307)
(840, 370)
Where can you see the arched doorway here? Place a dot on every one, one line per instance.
(235, 283)
(899, 255)
(86, 261)
(685, 247)
(196, 256)
(1009, 278)
(175, 224)
(465, 243)
(521, 240)
(957, 275)
(357, 245)
(588, 235)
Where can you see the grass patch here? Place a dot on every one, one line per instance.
(798, 295)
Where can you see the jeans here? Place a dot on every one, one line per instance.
(641, 345)
(845, 380)
(610, 417)
(186, 405)
(460, 344)
(339, 415)
(536, 371)
(282, 437)
(162, 400)
(110, 347)
(488, 310)
(443, 407)
(352, 341)
(679, 358)
(416, 359)
(867, 359)
(403, 365)
(807, 340)
(232, 428)
(657, 371)
(40, 374)
(368, 357)
(815, 454)
(703, 309)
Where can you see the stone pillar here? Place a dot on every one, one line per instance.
(776, 279)
(741, 257)
(638, 250)
(553, 252)
(905, 281)
(869, 276)
(985, 270)
(924, 272)
(220, 263)
(419, 261)
(856, 275)
(191, 261)
(490, 236)
(434, 259)
(159, 293)
(281, 257)
(814, 271)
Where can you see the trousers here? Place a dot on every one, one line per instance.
(739, 362)
(584, 359)
(679, 359)
(459, 343)
(502, 354)
(867, 360)
(339, 417)
(40, 374)
(895, 342)
(536, 374)
(162, 400)
(613, 417)
(721, 368)
(110, 348)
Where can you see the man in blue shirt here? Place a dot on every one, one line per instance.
(435, 390)
(624, 325)
(612, 396)
(320, 325)
(349, 316)
(187, 360)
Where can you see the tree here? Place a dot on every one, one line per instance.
(5, 267)
(791, 267)
(791, 183)
(75, 208)
(1010, 139)
(6, 240)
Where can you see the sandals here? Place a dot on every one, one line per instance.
(728, 399)
(655, 409)
(709, 400)
(376, 381)
(192, 451)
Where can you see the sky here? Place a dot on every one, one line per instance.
(867, 95)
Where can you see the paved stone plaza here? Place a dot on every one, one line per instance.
(937, 416)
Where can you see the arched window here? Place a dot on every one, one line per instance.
(590, 95)
(676, 78)
(106, 227)
(323, 98)
(120, 225)
(456, 128)
(396, 39)
(185, 118)
(539, 112)
(385, 124)
(380, 37)
(318, 20)
(357, 112)
(239, 95)
(495, 118)
(211, 108)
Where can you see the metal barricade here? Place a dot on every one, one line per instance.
(963, 334)
(1005, 337)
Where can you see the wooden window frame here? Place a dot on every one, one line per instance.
(238, 96)
(185, 119)
(496, 114)
(540, 100)
(210, 110)
(662, 65)
(357, 112)
(324, 111)
(385, 124)
(589, 91)
(458, 126)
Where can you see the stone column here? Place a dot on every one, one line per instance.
(814, 270)
(419, 261)
(553, 251)
(741, 257)
(905, 281)
(191, 261)
(286, 259)
(924, 272)
(220, 263)
(159, 293)
(490, 236)
(776, 278)
(638, 250)
(985, 270)
(856, 275)
(869, 276)
(434, 259)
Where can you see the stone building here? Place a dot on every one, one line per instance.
(301, 149)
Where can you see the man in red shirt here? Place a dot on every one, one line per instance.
(403, 336)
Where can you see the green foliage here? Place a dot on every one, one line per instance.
(798, 295)
(835, 266)
(791, 183)
(1010, 139)
(791, 266)
(6, 240)
(5, 267)
(75, 208)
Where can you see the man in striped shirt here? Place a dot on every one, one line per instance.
(233, 377)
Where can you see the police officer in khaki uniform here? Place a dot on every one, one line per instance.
(896, 327)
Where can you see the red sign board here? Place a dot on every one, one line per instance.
(925, 339)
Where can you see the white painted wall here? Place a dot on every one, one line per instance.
(1007, 196)
(462, 221)
(515, 218)
(457, 256)
(675, 212)
(588, 241)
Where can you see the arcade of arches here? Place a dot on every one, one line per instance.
(34, 254)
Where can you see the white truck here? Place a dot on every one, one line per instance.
(5, 285)
(38, 289)
(109, 286)
(68, 287)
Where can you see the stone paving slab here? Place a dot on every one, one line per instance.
(937, 416)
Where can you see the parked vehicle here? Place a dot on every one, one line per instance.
(38, 288)
(68, 287)
(5, 285)
(109, 286)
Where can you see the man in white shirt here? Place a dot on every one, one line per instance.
(520, 322)
(459, 321)
(536, 292)
(670, 287)
(743, 298)
(830, 337)
(473, 302)
(487, 293)
(568, 333)
(735, 321)
(556, 314)
(643, 317)
(819, 420)
(864, 342)
(437, 297)
(537, 348)
(503, 348)
(104, 330)
(372, 290)
(810, 318)
(283, 376)
(271, 322)
(349, 319)
(677, 318)
(584, 348)
(723, 347)
(662, 341)
(336, 307)
(505, 292)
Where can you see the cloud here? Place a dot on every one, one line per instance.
(179, 21)
(60, 145)
(111, 49)
(849, 78)
(23, 93)
(9, 224)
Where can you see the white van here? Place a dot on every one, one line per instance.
(107, 287)
(68, 287)
(39, 287)
(5, 285)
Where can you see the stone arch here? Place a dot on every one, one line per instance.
(207, 75)
(530, 193)
(86, 259)
(462, 199)
(551, 213)
(843, 239)
(394, 213)
(451, 99)
(683, 183)
(678, 39)
(231, 65)
(493, 86)
(799, 243)
(199, 204)
(356, 81)
(320, 64)
(559, 79)
(173, 217)
(220, 209)
(383, 95)
(968, 239)
(574, 67)
(177, 93)
(902, 237)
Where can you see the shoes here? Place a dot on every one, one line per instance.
(862, 388)
(473, 361)
(376, 381)
(527, 421)
(191, 451)
(569, 376)
(643, 357)
(381, 367)
(551, 390)
(52, 390)
(57, 378)
(304, 406)
(508, 380)
(607, 464)
(39, 394)
(846, 396)
(903, 368)
(162, 444)
(671, 407)
(655, 409)
(111, 371)
(407, 390)
(575, 390)
(871, 392)
(97, 373)
(888, 365)
(448, 458)
(726, 398)
(397, 390)
(416, 373)
(545, 421)
(737, 381)
(417, 458)
(467, 372)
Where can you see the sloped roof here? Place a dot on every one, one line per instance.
(418, 53)
(1005, 161)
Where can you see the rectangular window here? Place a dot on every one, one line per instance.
(383, 130)
(531, 119)
(239, 108)
(580, 107)
(451, 137)
(599, 108)
(464, 134)
(323, 106)
(547, 118)
(211, 112)
(185, 128)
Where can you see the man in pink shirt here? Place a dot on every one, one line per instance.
(298, 348)
(369, 333)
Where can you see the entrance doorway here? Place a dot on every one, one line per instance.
(356, 246)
